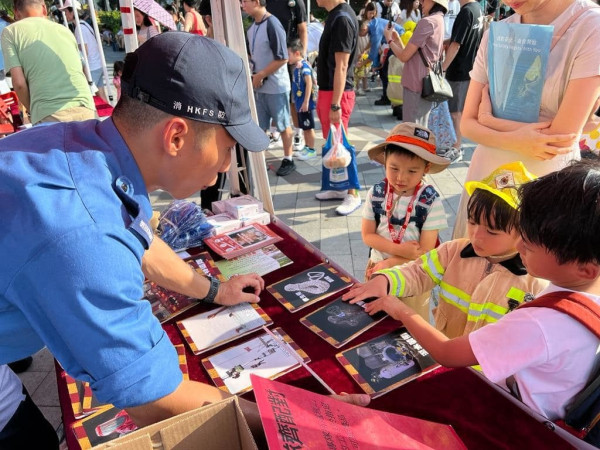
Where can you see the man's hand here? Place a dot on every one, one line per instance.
(257, 80)
(376, 287)
(240, 289)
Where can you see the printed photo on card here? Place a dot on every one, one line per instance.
(309, 286)
(264, 356)
(386, 362)
(223, 324)
(339, 322)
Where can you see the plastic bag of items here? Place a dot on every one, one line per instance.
(338, 156)
(183, 225)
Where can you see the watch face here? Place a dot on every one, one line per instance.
(335, 107)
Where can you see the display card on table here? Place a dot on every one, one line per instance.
(75, 389)
(339, 322)
(264, 355)
(106, 424)
(102, 422)
(308, 287)
(293, 418)
(386, 362)
(205, 264)
(263, 261)
(167, 304)
(241, 241)
(89, 403)
(183, 365)
(223, 324)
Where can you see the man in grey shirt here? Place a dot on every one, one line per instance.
(270, 79)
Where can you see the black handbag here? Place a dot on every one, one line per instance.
(435, 87)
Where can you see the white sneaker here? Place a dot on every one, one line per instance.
(274, 138)
(453, 154)
(349, 205)
(298, 142)
(331, 195)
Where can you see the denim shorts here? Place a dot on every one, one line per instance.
(274, 107)
(97, 77)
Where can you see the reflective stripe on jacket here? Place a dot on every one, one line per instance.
(472, 290)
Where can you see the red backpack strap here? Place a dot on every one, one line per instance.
(576, 305)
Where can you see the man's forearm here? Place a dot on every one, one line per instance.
(23, 94)
(272, 67)
(339, 77)
(188, 396)
(339, 82)
(450, 55)
(162, 265)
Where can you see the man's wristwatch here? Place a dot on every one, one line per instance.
(212, 291)
(335, 107)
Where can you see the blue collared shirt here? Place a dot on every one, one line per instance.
(72, 238)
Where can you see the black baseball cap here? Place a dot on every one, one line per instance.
(195, 77)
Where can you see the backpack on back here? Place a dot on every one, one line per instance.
(422, 207)
(583, 413)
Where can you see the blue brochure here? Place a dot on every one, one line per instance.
(517, 60)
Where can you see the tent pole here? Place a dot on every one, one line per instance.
(128, 22)
(229, 30)
(107, 86)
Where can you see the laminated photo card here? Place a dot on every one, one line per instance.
(339, 322)
(309, 286)
(264, 355)
(224, 324)
(386, 362)
(241, 241)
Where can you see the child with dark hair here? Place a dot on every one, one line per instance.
(117, 73)
(481, 278)
(546, 356)
(304, 95)
(403, 214)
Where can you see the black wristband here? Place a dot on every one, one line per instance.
(212, 291)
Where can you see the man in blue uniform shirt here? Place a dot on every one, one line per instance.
(76, 242)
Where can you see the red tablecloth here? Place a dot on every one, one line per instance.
(481, 416)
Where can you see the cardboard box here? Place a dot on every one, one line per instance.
(213, 427)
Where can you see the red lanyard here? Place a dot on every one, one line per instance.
(389, 195)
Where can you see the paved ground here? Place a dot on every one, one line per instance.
(295, 204)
